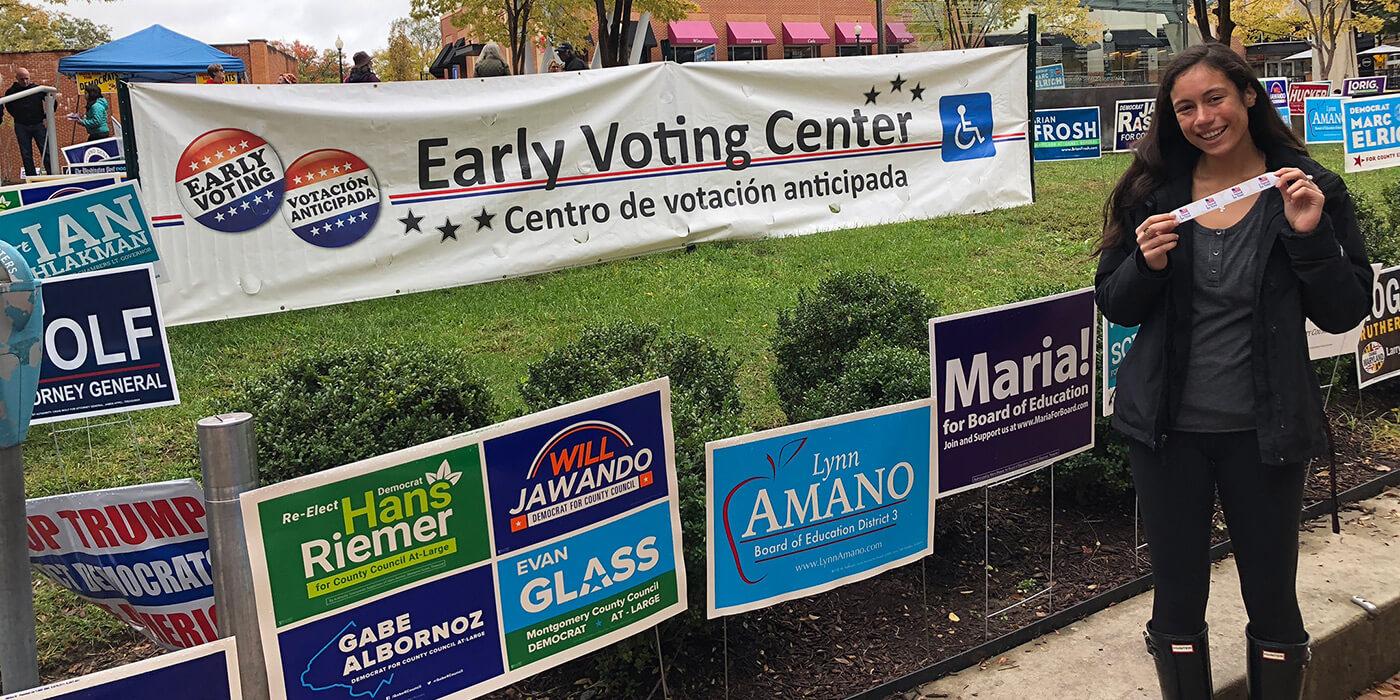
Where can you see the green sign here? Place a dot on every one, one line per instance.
(9, 200)
(343, 542)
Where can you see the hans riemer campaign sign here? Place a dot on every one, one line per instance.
(807, 508)
(140, 552)
(1371, 132)
(475, 182)
(95, 230)
(1014, 387)
(1322, 118)
(1130, 123)
(207, 672)
(380, 579)
(1067, 134)
(104, 346)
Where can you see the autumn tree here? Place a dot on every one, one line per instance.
(1387, 11)
(413, 44)
(29, 27)
(313, 66)
(962, 24)
(1269, 20)
(1326, 21)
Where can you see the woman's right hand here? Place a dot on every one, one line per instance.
(1156, 237)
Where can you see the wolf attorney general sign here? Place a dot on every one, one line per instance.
(463, 182)
(1014, 388)
(803, 509)
(457, 567)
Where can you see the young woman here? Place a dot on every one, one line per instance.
(94, 118)
(1217, 393)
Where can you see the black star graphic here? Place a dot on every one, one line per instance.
(897, 84)
(918, 92)
(411, 223)
(484, 219)
(870, 96)
(448, 230)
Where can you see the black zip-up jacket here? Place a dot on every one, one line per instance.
(1323, 276)
(26, 110)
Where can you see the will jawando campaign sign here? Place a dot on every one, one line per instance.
(463, 182)
(798, 510)
(95, 230)
(206, 672)
(105, 349)
(1014, 388)
(453, 568)
(140, 552)
(1378, 348)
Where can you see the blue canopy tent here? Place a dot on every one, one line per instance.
(153, 55)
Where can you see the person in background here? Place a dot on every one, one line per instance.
(28, 115)
(363, 71)
(215, 73)
(287, 79)
(490, 64)
(572, 61)
(555, 66)
(94, 117)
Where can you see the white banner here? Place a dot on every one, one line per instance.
(277, 197)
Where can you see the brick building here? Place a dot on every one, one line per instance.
(263, 61)
(749, 30)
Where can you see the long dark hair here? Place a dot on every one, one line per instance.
(1164, 153)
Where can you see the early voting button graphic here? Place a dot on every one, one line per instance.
(967, 126)
(230, 180)
(332, 198)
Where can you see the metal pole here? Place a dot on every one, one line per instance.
(50, 136)
(133, 165)
(880, 24)
(228, 460)
(639, 39)
(1031, 63)
(19, 660)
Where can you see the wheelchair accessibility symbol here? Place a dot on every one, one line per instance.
(967, 126)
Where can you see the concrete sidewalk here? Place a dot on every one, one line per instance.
(1102, 657)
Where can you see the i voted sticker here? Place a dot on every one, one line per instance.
(333, 198)
(1225, 197)
(230, 180)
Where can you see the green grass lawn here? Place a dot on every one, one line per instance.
(729, 293)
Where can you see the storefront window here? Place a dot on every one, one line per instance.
(853, 50)
(800, 52)
(683, 54)
(748, 53)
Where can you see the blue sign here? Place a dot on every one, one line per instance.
(207, 672)
(1359, 87)
(967, 126)
(704, 54)
(1322, 117)
(1131, 121)
(104, 166)
(424, 642)
(93, 151)
(55, 189)
(104, 346)
(1014, 386)
(95, 230)
(808, 508)
(1116, 341)
(1071, 133)
(1370, 130)
(1050, 77)
(1277, 91)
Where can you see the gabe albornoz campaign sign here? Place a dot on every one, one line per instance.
(82, 232)
(381, 577)
(104, 346)
(141, 552)
(1014, 388)
(206, 672)
(806, 508)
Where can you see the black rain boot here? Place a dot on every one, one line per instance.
(1276, 670)
(1183, 663)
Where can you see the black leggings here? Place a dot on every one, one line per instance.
(1176, 496)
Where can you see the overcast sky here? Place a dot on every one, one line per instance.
(363, 24)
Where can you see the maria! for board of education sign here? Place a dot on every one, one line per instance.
(1130, 122)
(1071, 133)
(807, 508)
(95, 230)
(1014, 388)
(1322, 120)
(1371, 132)
(105, 349)
(1378, 348)
(459, 566)
(206, 672)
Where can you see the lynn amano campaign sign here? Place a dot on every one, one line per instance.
(456, 567)
(466, 181)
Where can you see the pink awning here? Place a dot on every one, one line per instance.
(846, 33)
(800, 33)
(750, 34)
(896, 33)
(692, 33)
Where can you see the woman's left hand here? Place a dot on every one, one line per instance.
(1302, 200)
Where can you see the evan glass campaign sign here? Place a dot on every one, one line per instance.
(1378, 348)
(379, 578)
(95, 230)
(1132, 117)
(1067, 134)
(1371, 132)
(207, 672)
(140, 552)
(807, 508)
(1322, 120)
(1014, 387)
(1298, 94)
(104, 346)
(1116, 342)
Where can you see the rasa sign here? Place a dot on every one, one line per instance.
(1131, 121)
(454, 568)
(104, 346)
(1014, 388)
(1067, 134)
(803, 509)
